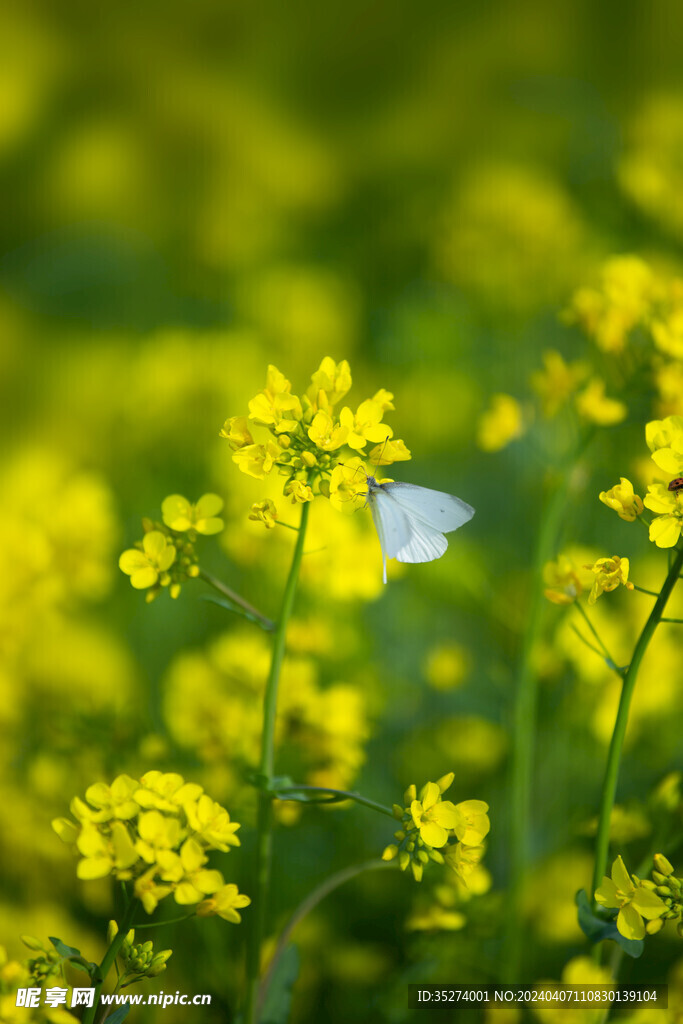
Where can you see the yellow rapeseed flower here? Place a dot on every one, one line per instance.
(563, 585)
(389, 452)
(557, 381)
(472, 822)
(264, 512)
(225, 903)
(500, 424)
(433, 816)
(147, 567)
(326, 434)
(365, 425)
(593, 405)
(623, 500)
(236, 431)
(634, 900)
(257, 460)
(179, 514)
(665, 528)
(609, 573)
(348, 485)
(298, 492)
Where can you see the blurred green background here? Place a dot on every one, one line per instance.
(191, 192)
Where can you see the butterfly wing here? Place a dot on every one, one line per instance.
(436, 509)
(391, 523)
(424, 543)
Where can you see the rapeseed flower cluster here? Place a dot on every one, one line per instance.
(631, 306)
(166, 556)
(429, 823)
(665, 440)
(316, 447)
(155, 832)
(15, 975)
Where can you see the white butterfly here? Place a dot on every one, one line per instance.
(411, 521)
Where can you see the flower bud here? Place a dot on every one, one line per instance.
(663, 865)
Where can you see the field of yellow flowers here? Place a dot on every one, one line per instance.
(253, 265)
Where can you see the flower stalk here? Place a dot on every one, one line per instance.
(616, 744)
(110, 958)
(264, 824)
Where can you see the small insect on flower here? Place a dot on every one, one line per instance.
(677, 484)
(411, 520)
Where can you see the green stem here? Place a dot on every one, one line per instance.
(110, 959)
(609, 788)
(608, 657)
(236, 599)
(161, 924)
(679, 621)
(523, 734)
(642, 590)
(264, 833)
(305, 907)
(343, 794)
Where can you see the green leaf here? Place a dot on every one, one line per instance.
(62, 947)
(279, 996)
(223, 602)
(599, 929)
(83, 965)
(118, 1015)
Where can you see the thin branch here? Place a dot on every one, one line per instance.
(237, 600)
(308, 904)
(606, 654)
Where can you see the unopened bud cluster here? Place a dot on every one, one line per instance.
(138, 958)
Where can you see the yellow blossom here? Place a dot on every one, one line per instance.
(436, 918)
(635, 901)
(264, 512)
(557, 381)
(609, 573)
(472, 822)
(433, 816)
(146, 568)
(298, 492)
(563, 585)
(464, 859)
(665, 440)
(180, 515)
(274, 406)
(500, 424)
(389, 452)
(194, 881)
(348, 485)
(102, 855)
(594, 406)
(608, 314)
(385, 399)
(166, 791)
(623, 500)
(149, 891)
(236, 431)
(365, 425)
(157, 832)
(325, 433)
(333, 380)
(665, 528)
(212, 824)
(257, 460)
(225, 903)
(115, 801)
